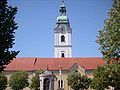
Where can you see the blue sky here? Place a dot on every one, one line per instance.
(37, 18)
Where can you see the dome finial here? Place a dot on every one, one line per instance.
(62, 2)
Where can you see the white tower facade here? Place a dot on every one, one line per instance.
(63, 35)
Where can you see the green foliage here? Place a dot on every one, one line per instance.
(7, 31)
(105, 76)
(77, 81)
(109, 37)
(35, 82)
(109, 41)
(3, 81)
(99, 82)
(114, 76)
(38, 72)
(19, 80)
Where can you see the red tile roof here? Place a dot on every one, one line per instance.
(31, 64)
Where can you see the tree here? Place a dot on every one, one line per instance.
(105, 76)
(3, 81)
(7, 31)
(109, 41)
(35, 82)
(19, 80)
(77, 81)
(109, 37)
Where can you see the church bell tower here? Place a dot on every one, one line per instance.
(63, 33)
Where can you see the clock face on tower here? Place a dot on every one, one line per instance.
(63, 30)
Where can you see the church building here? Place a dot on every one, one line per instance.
(61, 64)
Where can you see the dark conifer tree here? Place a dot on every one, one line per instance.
(7, 33)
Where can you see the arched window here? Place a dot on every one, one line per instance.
(62, 55)
(62, 38)
(60, 84)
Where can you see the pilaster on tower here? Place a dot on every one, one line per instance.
(63, 35)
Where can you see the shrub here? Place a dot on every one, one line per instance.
(3, 81)
(19, 80)
(35, 83)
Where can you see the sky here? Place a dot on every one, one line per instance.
(37, 19)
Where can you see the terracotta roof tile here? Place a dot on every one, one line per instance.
(31, 64)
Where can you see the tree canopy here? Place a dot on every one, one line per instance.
(109, 41)
(109, 36)
(77, 81)
(19, 80)
(7, 33)
(106, 76)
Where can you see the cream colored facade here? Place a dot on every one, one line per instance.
(62, 76)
